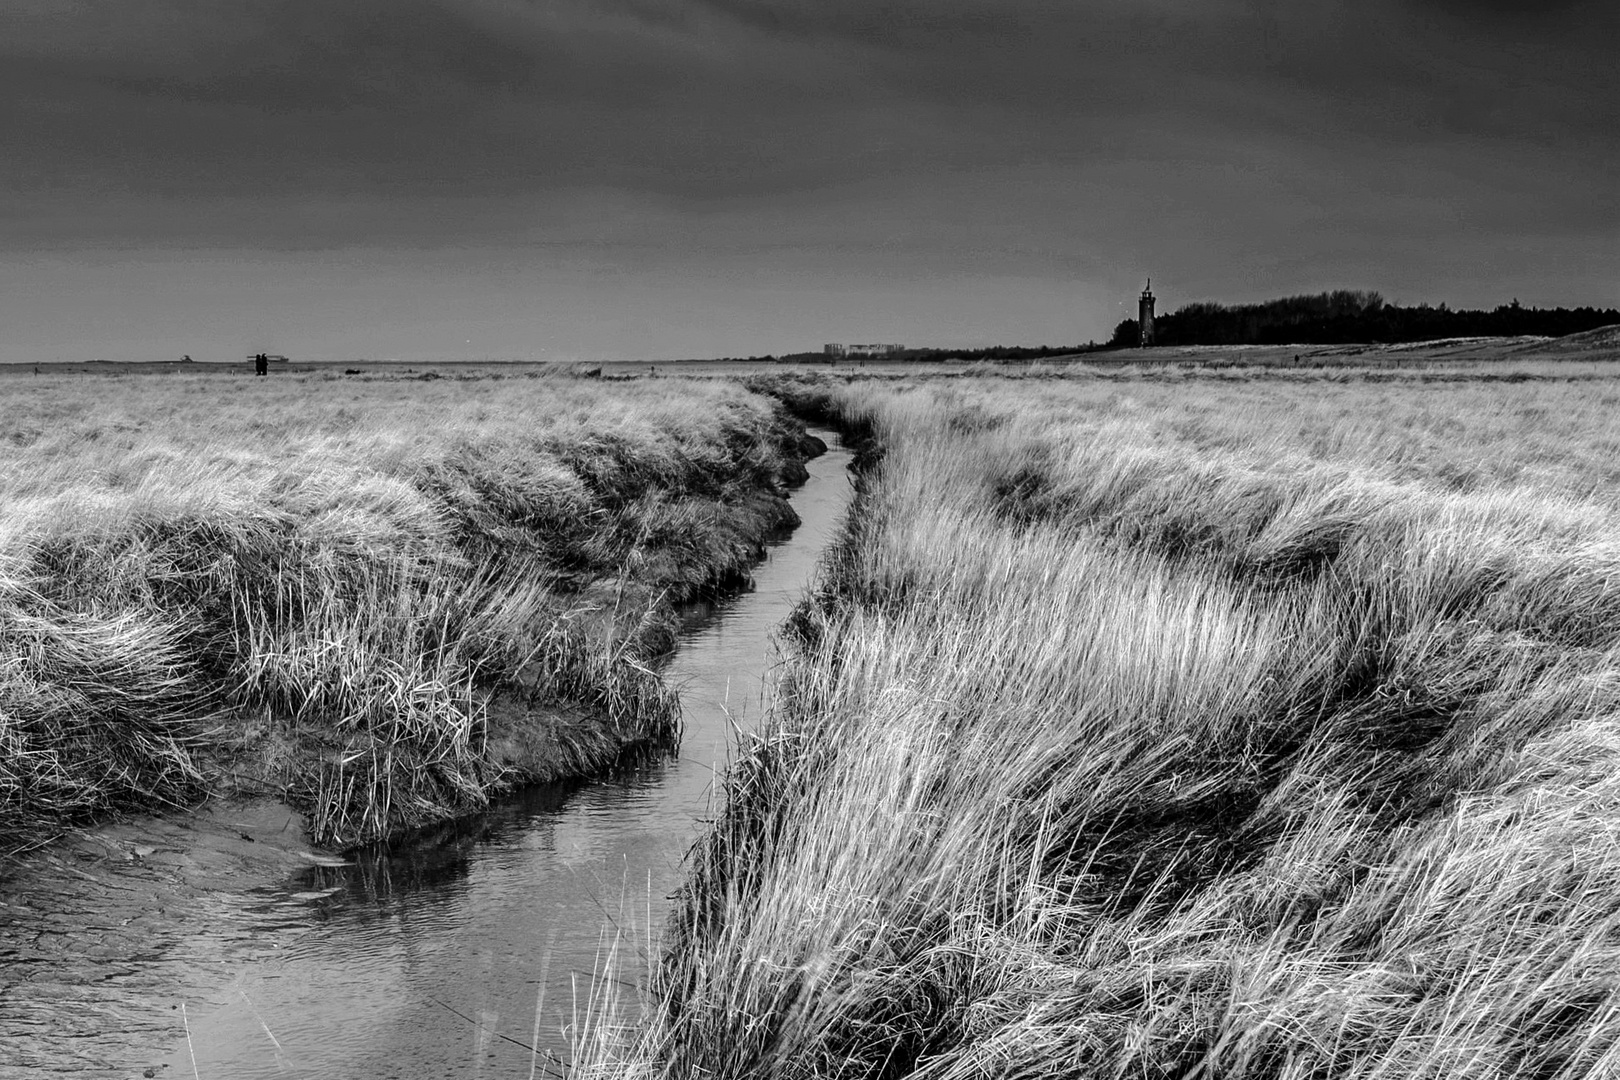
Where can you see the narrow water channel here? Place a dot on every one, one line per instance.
(454, 955)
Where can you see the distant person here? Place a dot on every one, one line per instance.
(261, 364)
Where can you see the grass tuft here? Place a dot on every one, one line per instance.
(1174, 731)
(386, 599)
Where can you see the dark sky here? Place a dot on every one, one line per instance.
(661, 178)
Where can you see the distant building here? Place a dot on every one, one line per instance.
(861, 350)
(1144, 314)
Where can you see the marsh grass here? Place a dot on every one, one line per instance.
(1178, 731)
(343, 578)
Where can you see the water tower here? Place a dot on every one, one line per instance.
(1144, 314)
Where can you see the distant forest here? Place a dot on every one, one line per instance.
(1347, 317)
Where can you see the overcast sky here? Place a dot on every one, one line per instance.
(601, 179)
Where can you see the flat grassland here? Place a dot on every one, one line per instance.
(380, 599)
(1181, 726)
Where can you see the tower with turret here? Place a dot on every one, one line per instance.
(1144, 314)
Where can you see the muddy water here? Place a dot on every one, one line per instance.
(221, 946)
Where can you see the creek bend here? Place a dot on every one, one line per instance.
(413, 959)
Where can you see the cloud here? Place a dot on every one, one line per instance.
(406, 97)
(734, 96)
(1254, 140)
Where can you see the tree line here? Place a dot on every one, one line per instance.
(1351, 316)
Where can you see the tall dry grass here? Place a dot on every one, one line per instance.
(1183, 730)
(354, 591)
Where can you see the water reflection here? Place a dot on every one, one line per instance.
(468, 949)
(435, 858)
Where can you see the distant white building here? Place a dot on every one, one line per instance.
(861, 350)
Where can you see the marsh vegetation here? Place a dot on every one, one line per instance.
(1179, 726)
(383, 600)
(1179, 721)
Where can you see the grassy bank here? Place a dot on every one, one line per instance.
(1180, 727)
(383, 599)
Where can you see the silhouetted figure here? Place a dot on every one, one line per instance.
(261, 364)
